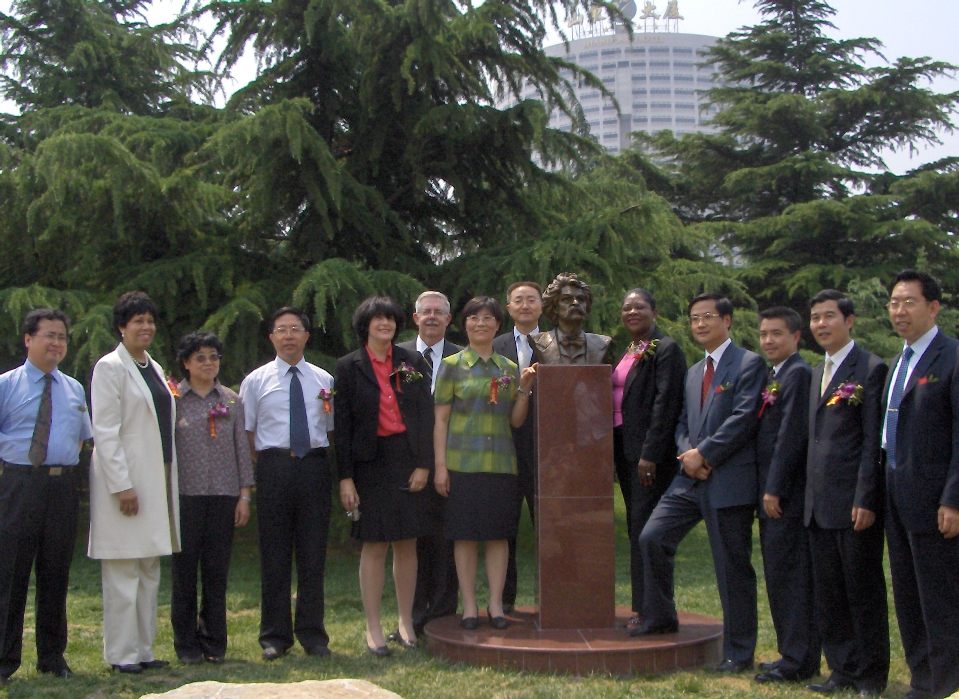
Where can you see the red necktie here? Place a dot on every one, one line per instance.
(707, 381)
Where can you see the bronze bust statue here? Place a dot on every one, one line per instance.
(566, 303)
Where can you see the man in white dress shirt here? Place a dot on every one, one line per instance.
(288, 418)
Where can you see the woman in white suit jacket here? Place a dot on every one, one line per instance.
(133, 485)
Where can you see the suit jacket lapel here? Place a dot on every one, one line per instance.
(138, 380)
(719, 375)
(841, 374)
(922, 367)
(366, 366)
(635, 368)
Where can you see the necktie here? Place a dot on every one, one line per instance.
(826, 377)
(428, 356)
(523, 351)
(707, 381)
(892, 412)
(299, 428)
(41, 431)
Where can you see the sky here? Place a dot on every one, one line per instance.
(917, 28)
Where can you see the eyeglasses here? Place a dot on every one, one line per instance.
(207, 358)
(704, 317)
(284, 330)
(908, 304)
(54, 337)
(481, 319)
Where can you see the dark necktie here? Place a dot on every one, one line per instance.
(428, 356)
(41, 431)
(707, 381)
(299, 428)
(892, 412)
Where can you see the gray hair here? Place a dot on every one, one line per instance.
(431, 294)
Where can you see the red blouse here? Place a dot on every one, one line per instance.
(390, 420)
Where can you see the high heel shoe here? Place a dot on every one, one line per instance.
(379, 651)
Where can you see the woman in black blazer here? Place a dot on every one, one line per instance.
(384, 452)
(647, 398)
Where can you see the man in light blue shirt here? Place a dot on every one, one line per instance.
(43, 422)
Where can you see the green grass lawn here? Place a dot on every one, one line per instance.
(410, 673)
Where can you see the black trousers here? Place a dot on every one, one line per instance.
(925, 586)
(730, 539)
(436, 584)
(787, 566)
(293, 515)
(851, 610)
(38, 519)
(526, 487)
(206, 541)
(640, 500)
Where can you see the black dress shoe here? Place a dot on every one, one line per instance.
(729, 666)
(214, 659)
(766, 666)
(777, 674)
(649, 628)
(317, 651)
(191, 659)
(470, 623)
(132, 669)
(272, 653)
(394, 636)
(498, 622)
(154, 664)
(63, 671)
(379, 652)
(829, 686)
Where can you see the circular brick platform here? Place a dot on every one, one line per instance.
(577, 651)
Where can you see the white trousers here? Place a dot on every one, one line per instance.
(130, 588)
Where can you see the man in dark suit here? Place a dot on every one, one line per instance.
(524, 303)
(781, 455)
(436, 584)
(921, 440)
(716, 483)
(843, 499)
(644, 423)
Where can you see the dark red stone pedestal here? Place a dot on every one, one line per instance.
(576, 627)
(524, 646)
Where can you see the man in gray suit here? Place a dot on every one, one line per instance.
(716, 483)
(436, 584)
(524, 303)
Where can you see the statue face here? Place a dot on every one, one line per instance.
(572, 304)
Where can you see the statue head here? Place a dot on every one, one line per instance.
(567, 302)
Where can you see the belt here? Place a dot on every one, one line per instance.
(279, 451)
(54, 470)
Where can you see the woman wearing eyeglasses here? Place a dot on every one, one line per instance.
(479, 395)
(216, 474)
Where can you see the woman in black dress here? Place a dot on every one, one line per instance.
(384, 452)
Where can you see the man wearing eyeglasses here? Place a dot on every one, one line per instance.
(288, 410)
(716, 483)
(920, 437)
(43, 422)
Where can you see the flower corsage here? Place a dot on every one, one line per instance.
(642, 349)
(849, 392)
(219, 409)
(405, 373)
(770, 394)
(326, 395)
(497, 383)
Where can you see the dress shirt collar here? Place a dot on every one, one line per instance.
(778, 367)
(717, 354)
(517, 334)
(283, 368)
(185, 388)
(35, 374)
(922, 344)
(471, 357)
(841, 355)
(437, 348)
(373, 358)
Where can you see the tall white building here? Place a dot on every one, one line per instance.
(657, 79)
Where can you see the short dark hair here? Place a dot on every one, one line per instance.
(289, 310)
(787, 315)
(846, 306)
(194, 342)
(132, 303)
(374, 306)
(482, 303)
(31, 324)
(645, 294)
(724, 307)
(931, 291)
(515, 285)
(555, 288)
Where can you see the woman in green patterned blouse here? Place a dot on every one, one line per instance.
(479, 395)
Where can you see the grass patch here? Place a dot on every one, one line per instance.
(410, 674)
